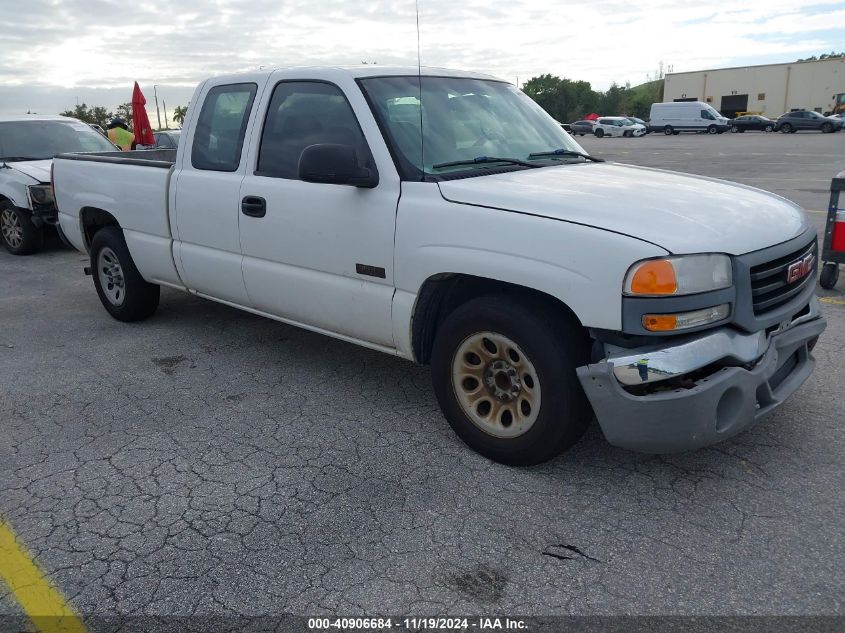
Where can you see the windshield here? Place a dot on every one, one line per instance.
(39, 140)
(462, 119)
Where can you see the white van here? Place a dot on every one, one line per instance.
(686, 116)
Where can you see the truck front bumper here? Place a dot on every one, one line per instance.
(718, 397)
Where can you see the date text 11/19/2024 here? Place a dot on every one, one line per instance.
(417, 624)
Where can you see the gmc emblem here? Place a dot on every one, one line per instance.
(800, 269)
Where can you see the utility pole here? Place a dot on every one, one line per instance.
(164, 107)
(158, 116)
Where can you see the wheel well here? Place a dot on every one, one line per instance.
(441, 294)
(92, 220)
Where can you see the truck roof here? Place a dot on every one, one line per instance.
(370, 70)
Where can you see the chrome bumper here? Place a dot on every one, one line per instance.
(691, 354)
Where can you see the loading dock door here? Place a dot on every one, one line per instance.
(731, 104)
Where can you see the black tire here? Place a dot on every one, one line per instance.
(17, 232)
(599, 133)
(552, 347)
(138, 299)
(734, 129)
(768, 128)
(712, 129)
(668, 130)
(676, 132)
(827, 128)
(742, 131)
(829, 275)
(786, 128)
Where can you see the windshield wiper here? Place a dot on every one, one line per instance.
(485, 159)
(566, 152)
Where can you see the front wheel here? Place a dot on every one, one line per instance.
(829, 275)
(504, 375)
(768, 128)
(712, 129)
(17, 232)
(786, 128)
(599, 133)
(122, 290)
(827, 128)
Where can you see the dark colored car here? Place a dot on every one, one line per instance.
(167, 139)
(582, 127)
(807, 120)
(752, 122)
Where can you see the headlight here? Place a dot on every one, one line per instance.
(683, 275)
(41, 194)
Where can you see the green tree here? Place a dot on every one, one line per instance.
(179, 114)
(124, 111)
(90, 114)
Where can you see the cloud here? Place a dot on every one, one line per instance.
(73, 46)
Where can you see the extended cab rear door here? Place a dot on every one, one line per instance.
(317, 254)
(206, 203)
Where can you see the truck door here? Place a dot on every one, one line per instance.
(319, 255)
(207, 207)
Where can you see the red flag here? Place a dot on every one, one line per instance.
(141, 127)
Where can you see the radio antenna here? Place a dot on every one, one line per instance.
(419, 83)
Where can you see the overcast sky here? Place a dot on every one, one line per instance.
(55, 51)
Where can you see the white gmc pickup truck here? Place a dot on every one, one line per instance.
(447, 219)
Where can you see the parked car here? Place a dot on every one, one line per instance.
(807, 120)
(752, 122)
(167, 139)
(28, 144)
(641, 122)
(679, 313)
(617, 126)
(686, 116)
(582, 127)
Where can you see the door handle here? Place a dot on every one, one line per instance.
(254, 206)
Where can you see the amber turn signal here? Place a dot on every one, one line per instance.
(654, 277)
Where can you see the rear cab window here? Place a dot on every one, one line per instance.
(221, 127)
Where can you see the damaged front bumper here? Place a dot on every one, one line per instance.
(703, 389)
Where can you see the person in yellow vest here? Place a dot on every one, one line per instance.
(120, 135)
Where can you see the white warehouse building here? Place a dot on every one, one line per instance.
(770, 89)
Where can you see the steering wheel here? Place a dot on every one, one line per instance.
(489, 134)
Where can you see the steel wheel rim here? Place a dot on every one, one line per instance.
(11, 228)
(496, 385)
(111, 278)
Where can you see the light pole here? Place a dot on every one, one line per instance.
(158, 116)
(164, 107)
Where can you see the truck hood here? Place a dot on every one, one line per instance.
(681, 213)
(36, 169)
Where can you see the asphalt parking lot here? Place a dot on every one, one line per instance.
(210, 462)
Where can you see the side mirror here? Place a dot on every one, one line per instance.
(334, 164)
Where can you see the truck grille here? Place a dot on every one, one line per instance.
(770, 284)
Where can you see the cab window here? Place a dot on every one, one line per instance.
(221, 127)
(304, 113)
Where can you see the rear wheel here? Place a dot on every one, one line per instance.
(122, 290)
(17, 232)
(734, 129)
(668, 130)
(829, 275)
(504, 375)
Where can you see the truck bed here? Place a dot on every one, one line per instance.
(133, 188)
(164, 158)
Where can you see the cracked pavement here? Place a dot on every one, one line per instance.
(211, 462)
